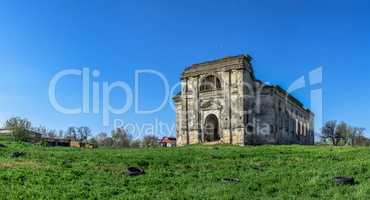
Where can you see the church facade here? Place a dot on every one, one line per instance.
(222, 102)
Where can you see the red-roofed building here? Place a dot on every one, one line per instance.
(168, 142)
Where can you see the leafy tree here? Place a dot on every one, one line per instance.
(108, 142)
(136, 143)
(20, 128)
(150, 141)
(343, 132)
(121, 138)
(328, 132)
(18, 123)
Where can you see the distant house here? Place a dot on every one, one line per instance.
(168, 142)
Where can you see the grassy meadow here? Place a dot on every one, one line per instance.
(193, 172)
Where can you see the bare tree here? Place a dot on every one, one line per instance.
(83, 132)
(136, 143)
(51, 134)
(61, 134)
(358, 136)
(101, 137)
(343, 133)
(104, 140)
(42, 130)
(71, 133)
(150, 141)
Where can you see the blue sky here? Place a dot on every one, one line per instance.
(287, 39)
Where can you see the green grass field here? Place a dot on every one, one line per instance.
(194, 172)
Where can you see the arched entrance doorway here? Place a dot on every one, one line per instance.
(211, 129)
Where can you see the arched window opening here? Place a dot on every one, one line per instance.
(210, 83)
(211, 129)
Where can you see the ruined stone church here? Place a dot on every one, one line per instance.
(222, 102)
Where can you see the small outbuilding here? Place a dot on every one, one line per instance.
(82, 144)
(168, 142)
(53, 142)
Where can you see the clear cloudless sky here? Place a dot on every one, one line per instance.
(287, 39)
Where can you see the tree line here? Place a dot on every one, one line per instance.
(119, 138)
(332, 132)
(343, 134)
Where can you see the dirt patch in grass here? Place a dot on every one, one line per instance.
(21, 165)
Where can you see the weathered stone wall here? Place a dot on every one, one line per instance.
(237, 106)
(289, 123)
(180, 137)
(265, 119)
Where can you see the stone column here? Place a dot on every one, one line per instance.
(237, 107)
(227, 132)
